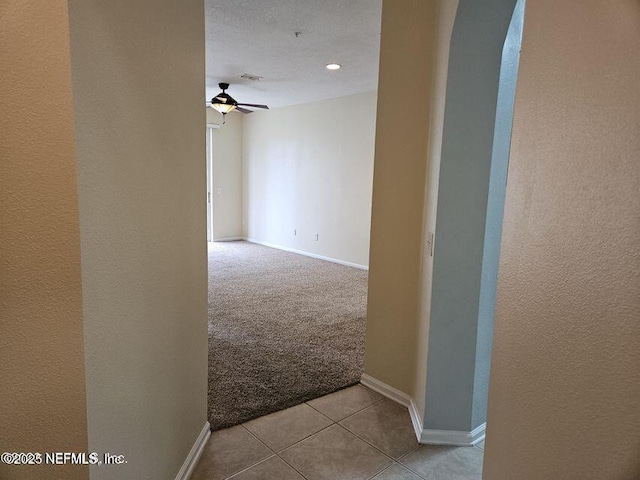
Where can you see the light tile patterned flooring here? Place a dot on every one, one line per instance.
(353, 434)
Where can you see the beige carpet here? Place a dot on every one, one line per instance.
(283, 329)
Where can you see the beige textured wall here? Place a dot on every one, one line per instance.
(227, 175)
(309, 168)
(138, 83)
(565, 378)
(42, 393)
(400, 171)
(446, 14)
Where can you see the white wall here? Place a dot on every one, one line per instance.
(565, 373)
(446, 13)
(42, 385)
(138, 80)
(227, 175)
(310, 168)
(406, 95)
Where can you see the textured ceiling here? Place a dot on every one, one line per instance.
(258, 37)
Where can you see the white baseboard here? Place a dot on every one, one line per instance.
(453, 437)
(416, 420)
(227, 239)
(397, 396)
(386, 390)
(424, 436)
(306, 254)
(194, 455)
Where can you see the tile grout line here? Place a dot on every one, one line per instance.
(371, 406)
(352, 433)
(273, 454)
(333, 422)
(416, 448)
(411, 470)
(368, 443)
(351, 414)
(254, 436)
(277, 453)
(294, 468)
(390, 467)
(250, 467)
(385, 454)
(348, 416)
(303, 439)
(394, 460)
(315, 409)
(384, 470)
(410, 451)
(391, 402)
(348, 431)
(407, 466)
(381, 471)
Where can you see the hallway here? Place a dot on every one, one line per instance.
(104, 282)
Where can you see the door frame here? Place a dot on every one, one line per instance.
(209, 149)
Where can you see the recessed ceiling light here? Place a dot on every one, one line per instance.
(333, 66)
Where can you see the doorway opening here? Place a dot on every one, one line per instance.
(471, 194)
(288, 201)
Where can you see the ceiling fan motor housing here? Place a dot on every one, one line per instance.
(224, 103)
(224, 98)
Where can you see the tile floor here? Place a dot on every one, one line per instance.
(353, 434)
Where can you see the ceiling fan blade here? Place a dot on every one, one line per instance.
(253, 105)
(243, 110)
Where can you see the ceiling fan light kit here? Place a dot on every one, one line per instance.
(225, 103)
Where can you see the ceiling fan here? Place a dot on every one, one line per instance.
(224, 103)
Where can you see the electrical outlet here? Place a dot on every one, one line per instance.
(315, 237)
